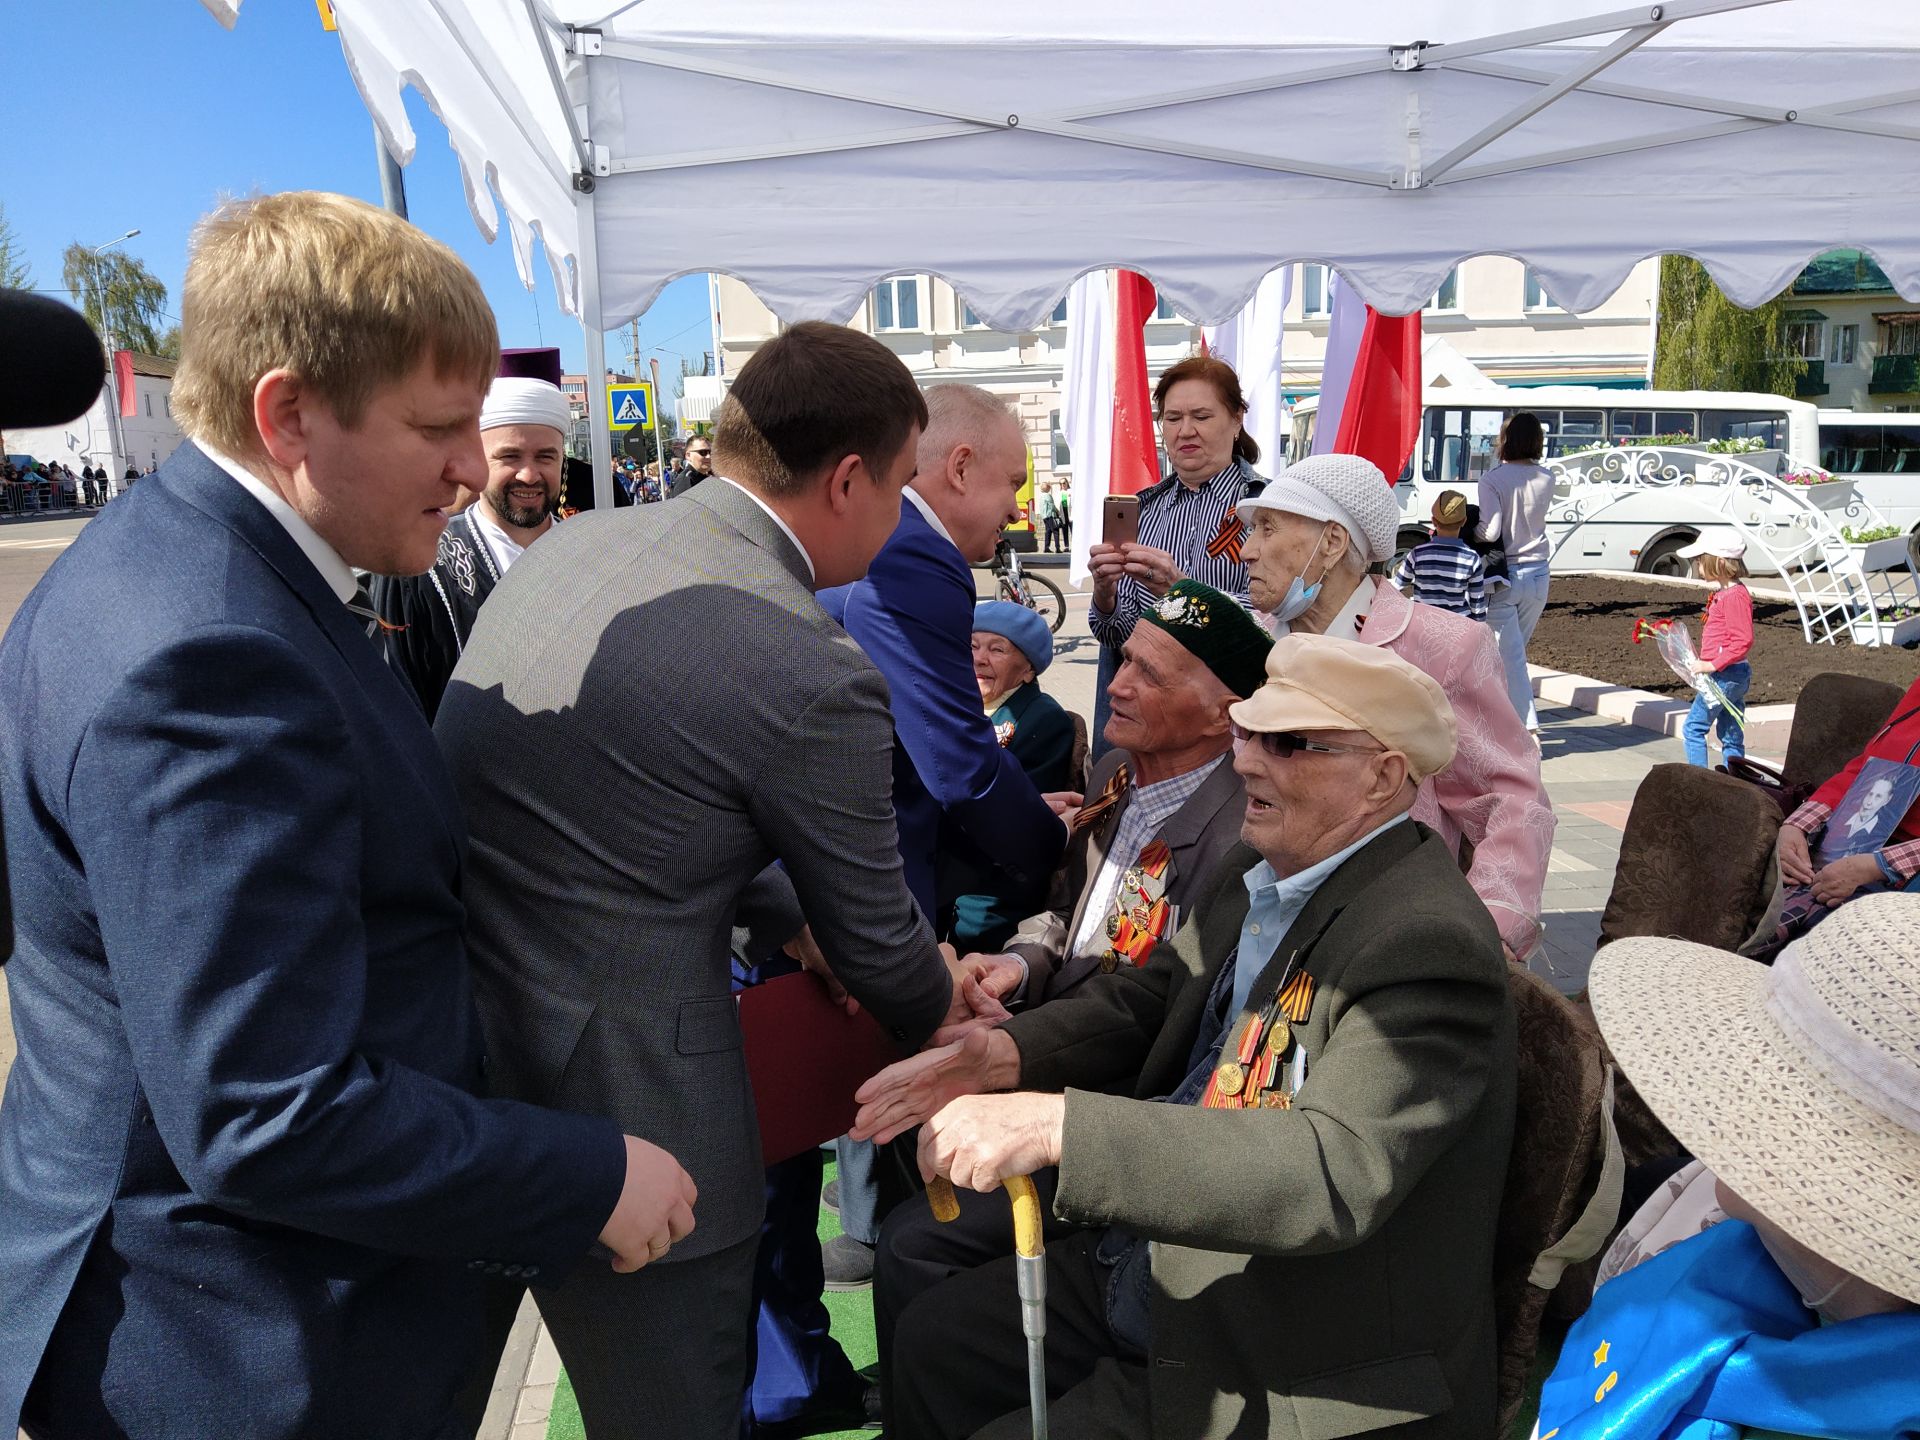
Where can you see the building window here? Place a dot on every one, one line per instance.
(896, 303)
(167, 401)
(969, 320)
(1900, 340)
(1163, 308)
(1843, 342)
(149, 407)
(1447, 297)
(1062, 456)
(1059, 315)
(1316, 295)
(1537, 297)
(1806, 334)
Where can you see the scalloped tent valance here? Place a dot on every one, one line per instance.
(1010, 145)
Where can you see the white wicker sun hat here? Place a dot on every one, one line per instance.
(1799, 1084)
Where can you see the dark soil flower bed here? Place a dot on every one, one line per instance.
(1588, 630)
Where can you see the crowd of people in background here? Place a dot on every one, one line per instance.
(30, 486)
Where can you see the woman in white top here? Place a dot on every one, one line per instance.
(1514, 496)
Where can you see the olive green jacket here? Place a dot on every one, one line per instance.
(1325, 1270)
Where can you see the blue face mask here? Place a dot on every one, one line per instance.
(1300, 595)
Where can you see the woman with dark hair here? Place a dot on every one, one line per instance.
(1188, 525)
(1514, 496)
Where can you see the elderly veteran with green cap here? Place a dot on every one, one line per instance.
(1311, 536)
(1012, 647)
(1162, 806)
(1280, 1143)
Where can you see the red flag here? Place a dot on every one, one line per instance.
(1381, 419)
(123, 380)
(1136, 453)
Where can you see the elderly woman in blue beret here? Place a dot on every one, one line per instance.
(1011, 647)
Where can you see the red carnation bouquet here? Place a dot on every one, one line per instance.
(1675, 644)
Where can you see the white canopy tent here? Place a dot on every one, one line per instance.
(1011, 145)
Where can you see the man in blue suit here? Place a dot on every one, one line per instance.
(913, 615)
(246, 1185)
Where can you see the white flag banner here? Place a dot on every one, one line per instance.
(1250, 342)
(1345, 330)
(1086, 386)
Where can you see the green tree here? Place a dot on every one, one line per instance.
(15, 273)
(1706, 342)
(124, 301)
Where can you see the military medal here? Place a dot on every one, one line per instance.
(1229, 1079)
(1279, 1037)
(1140, 914)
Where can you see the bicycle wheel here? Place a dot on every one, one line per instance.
(1043, 597)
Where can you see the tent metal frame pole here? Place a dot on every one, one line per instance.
(599, 430)
(543, 42)
(1573, 79)
(1667, 13)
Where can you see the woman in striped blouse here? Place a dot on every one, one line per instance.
(1188, 525)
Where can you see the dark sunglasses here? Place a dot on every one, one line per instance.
(1285, 744)
(700, 453)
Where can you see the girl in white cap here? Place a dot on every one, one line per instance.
(1725, 639)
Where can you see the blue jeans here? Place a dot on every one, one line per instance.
(1733, 740)
(1513, 610)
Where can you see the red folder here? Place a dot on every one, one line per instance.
(805, 1058)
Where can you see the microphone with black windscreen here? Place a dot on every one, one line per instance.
(51, 371)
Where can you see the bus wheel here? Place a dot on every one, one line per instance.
(1663, 556)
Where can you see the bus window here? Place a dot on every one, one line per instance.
(1900, 450)
(1572, 429)
(1643, 424)
(1769, 425)
(1850, 449)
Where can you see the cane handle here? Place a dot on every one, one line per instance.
(1026, 1209)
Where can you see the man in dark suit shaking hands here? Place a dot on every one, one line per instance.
(246, 1186)
(713, 719)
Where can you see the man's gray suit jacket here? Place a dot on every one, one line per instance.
(651, 709)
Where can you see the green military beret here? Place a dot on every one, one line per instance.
(1217, 630)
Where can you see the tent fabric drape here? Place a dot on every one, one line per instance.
(1010, 147)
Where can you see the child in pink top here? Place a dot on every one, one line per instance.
(1725, 640)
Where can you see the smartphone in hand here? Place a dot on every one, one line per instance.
(1120, 520)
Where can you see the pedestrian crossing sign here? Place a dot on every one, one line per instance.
(629, 406)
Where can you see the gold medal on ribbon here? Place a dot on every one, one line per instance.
(1229, 1079)
(1279, 1037)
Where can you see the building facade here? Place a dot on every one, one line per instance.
(103, 438)
(574, 387)
(1860, 340)
(1490, 310)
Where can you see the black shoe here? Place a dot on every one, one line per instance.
(830, 1197)
(848, 1263)
(854, 1409)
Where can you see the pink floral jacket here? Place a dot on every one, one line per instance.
(1492, 793)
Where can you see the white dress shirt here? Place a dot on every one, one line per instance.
(920, 504)
(335, 571)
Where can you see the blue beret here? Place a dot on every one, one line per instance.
(1022, 626)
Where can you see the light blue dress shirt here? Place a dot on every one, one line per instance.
(1277, 903)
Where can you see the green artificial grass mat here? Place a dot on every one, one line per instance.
(852, 1312)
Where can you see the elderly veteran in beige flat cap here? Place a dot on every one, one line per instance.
(1797, 1086)
(1280, 1143)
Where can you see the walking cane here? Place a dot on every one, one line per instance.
(1031, 1266)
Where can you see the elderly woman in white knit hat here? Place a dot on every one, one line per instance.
(1311, 536)
(1773, 1285)
(427, 618)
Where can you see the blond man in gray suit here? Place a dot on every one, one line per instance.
(653, 708)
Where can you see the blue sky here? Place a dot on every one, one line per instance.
(146, 112)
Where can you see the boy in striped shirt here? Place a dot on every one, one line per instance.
(1445, 571)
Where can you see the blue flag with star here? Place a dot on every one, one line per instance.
(1708, 1339)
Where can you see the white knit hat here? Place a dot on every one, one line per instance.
(1350, 491)
(1799, 1084)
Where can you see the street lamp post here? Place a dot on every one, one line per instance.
(115, 426)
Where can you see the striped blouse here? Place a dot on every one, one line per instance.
(1199, 529)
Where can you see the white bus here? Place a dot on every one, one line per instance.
(1460, 426)
(1880, 453)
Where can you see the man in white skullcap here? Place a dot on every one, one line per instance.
(427, 618)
